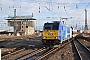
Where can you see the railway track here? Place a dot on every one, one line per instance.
(83, 51)
(53, 50)
(27, 51)
(40, 54)
(76, 55)
(10, 53)
(47, 53)
(33, 53)
(25, 54)
(85, 42)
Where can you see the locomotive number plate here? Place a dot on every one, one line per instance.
(50, 34)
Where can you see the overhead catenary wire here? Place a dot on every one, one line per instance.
(39, 9)
(52, 11)
(84, 10)
(76, 6)
(51, 3)
(49, 10)
(58, 4)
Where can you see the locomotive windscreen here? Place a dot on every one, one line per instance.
(51, 26)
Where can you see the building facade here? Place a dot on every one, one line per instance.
(24, 25)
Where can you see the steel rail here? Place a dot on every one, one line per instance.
(82, 51)
(83, 45)
(8, 51)
(35, 52)
(53, 50)
(8, 55)
(77, 51)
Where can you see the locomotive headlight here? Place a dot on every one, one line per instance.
(56, 37)
(44, 37)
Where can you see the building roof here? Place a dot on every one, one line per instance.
(20, 18)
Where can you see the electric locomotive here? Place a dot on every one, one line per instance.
(55, 33)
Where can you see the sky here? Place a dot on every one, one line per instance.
(46, 11)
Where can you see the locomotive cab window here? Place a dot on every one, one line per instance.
(55, 27)
(47, 27)
(51, 27)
